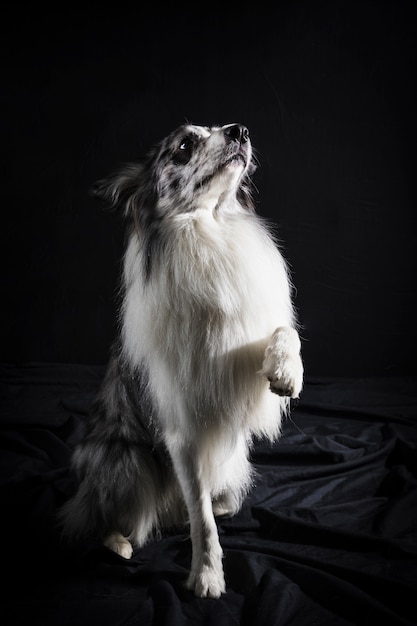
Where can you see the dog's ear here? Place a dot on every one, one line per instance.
(119, 189)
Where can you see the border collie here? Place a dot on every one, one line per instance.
(207, 331)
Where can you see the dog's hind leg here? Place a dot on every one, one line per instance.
(225, 505)
(138, 515)
(119, 544)
(143, 521)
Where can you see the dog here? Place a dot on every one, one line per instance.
(207, 331)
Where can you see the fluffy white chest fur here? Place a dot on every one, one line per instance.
(204, 320)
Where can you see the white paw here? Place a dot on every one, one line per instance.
(207, 582)
(219, 511)
(282, 364)
(226, 504)
(119, 544)
(287, 380)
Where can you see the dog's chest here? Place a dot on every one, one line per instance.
(218, 264)
(215, 286)
(225, 272)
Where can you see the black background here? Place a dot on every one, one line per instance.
(328, 534)
(327, 90)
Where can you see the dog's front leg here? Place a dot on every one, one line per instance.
(282, 362)
(206, 578)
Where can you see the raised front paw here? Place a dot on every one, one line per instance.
(287, 380)
(282, 364)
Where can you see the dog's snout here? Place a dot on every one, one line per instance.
(237, 132)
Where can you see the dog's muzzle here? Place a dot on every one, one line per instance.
(236, 132)
(237, 142)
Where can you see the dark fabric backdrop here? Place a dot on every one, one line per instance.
(327, 90)
(327, 537)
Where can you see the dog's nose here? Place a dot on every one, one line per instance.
(237, 132)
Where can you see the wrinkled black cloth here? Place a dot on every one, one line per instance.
(327, 535)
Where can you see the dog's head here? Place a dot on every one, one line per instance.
(195, 167)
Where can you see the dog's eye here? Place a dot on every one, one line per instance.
(183, 153)
(185, 144)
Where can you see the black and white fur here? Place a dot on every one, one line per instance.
(207, 330)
